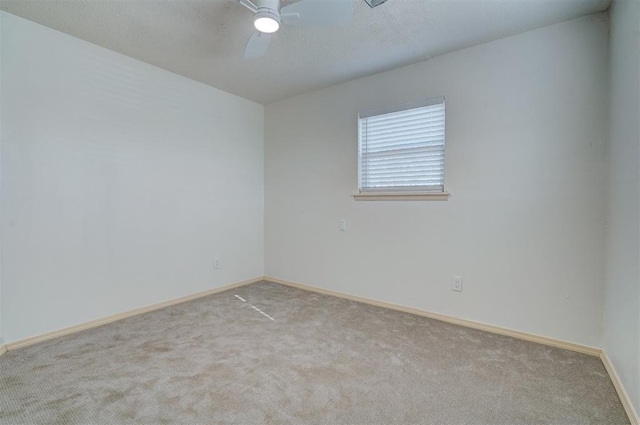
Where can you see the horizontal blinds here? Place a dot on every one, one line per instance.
(402, 150)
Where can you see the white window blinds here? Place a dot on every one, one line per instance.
(402, 148)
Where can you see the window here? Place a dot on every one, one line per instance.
(401, 148)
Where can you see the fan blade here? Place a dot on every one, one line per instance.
(317, 12)
(249, 5)
(257, 45)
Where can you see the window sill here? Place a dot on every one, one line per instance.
(402, 196)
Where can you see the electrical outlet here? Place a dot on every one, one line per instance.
(343, 225)
(216, 263)
(457, 284)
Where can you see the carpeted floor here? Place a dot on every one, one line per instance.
(297, 357)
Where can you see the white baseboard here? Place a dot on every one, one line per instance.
(449, 319)
(622, 393)
(585, 349)
(99, 322)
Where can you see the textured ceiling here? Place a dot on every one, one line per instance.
(204, 39)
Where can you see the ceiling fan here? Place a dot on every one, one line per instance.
(268, 16)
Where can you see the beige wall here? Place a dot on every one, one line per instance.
(622, 290)
(1, 209)
(120, 183)
(526, 166)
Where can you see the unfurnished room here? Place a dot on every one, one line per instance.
(320, 212)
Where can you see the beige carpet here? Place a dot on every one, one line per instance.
(286, 356)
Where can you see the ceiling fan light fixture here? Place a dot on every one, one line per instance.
(266, 22)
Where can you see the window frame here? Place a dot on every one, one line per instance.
(397, 192)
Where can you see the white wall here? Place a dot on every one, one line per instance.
(1, 208)
(622, 290)
(526, 166)
(121, 183)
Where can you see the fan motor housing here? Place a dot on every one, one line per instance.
(268, 4)
(374, 3)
